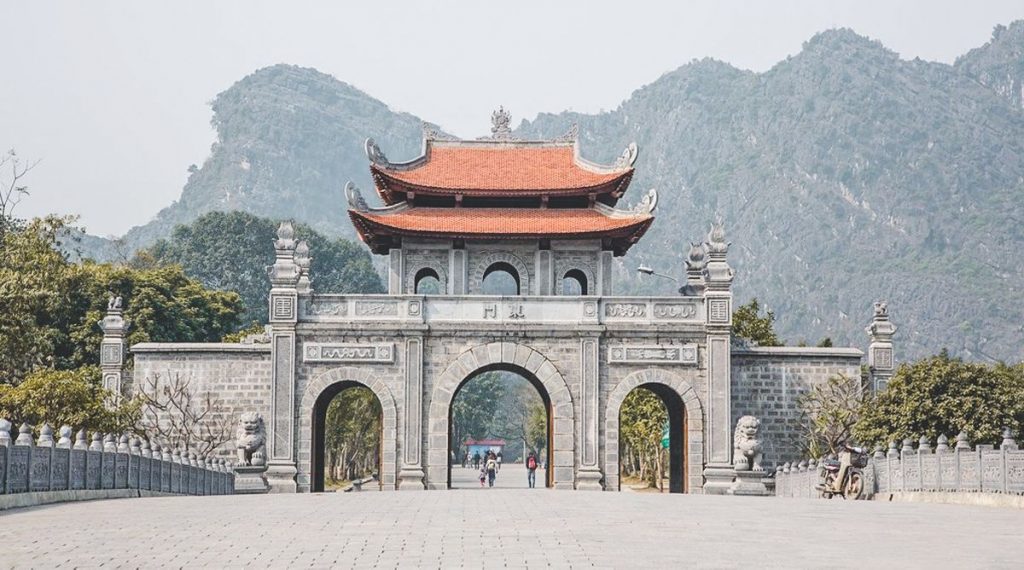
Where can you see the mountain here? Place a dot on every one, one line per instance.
(844, 174)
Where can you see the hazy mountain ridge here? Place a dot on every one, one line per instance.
(843, 174)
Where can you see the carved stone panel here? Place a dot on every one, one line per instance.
(61, 465)
(93, 478)
(653, 354)
(676, 311)
(348, 352)
(324, 308)
(883, 358)
(626, 310)
(145, 473)
(107, 472)
(718, 311)
(282, 308)
(111, 354)
(376, 308)
(40, 476)
(17, 470)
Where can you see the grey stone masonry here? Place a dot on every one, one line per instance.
(939, 469)
(44, 465)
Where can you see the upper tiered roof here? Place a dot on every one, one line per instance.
(500, 187)
(499, 166)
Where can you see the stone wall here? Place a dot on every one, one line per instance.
(927, 469)
(767, 382)
(238, 375)
(108, 462)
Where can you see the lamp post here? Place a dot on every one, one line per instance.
(649, 271)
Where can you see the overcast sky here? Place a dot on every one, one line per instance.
(113, 96)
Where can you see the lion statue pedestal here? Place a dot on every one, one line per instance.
(251, 441)
(746, 455)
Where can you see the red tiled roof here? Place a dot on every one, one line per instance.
(499, 223)
(511, 170)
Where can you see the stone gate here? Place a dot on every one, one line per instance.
(455, 221)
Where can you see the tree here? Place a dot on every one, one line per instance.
(12, 187)
(830, 411)
(231, 250)
(941, 395)
(51, 306)
(352, 434)
(642, 419)
(748, 323)
(181, 418)
(475, 407)
(72, 397)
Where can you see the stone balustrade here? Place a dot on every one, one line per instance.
(107, 461)
(906, 469)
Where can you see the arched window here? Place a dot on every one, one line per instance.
(427, 282)
(574, 283)
(500, 279)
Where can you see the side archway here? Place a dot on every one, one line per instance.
(517, 358)
(317, 387)
(694, 412)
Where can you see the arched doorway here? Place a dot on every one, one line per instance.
(501, 409)
(501, 278)
(649, 413)
(347, 437)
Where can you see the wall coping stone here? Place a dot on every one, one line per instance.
(813, 351)
(158, 347)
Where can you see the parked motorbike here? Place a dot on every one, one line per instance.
(844, 476)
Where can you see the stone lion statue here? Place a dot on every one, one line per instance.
(251, 439)
(746, 445)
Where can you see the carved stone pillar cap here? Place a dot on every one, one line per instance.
(80, 440)
(24, 435)
(65, 437)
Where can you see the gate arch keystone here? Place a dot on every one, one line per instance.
(513, 357)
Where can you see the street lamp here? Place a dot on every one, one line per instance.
(649, 271)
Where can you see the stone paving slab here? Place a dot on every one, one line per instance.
(507, 529)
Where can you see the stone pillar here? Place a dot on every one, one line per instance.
(695, 263)
(589, 475)
(457, 276)
(604, 274)
(112, 348)
(719, 471)
(410, 478)
(284, 280)
(881, 363)
(396, 271)
(545, 272)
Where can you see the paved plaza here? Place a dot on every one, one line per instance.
(508, 528)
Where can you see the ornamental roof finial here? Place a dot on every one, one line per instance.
(716, 238)
(501, 121)
(355, 197)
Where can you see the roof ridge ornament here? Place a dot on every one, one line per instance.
(628, 156)
(501, 126)
(355, 197)
(648, 203)
(570, 136)
(375, 154)
(432, 132)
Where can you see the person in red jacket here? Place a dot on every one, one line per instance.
(531, 469)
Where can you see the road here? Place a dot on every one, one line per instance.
(508, 528)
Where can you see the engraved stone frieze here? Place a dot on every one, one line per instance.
(317, 308)
(653, 354)
(718, 310)
(883, 358)
(348, 352)
(626, 310)
(376, 308)
(679, 311)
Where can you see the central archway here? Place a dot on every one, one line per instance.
(526, 362)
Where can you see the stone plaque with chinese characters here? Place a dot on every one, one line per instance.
(653, 354)
(110, 353)
(348, 352)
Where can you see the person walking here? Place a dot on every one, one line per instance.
(476, 460)
(499, 460)
(492, 468)
(531, 469)
(483, 475)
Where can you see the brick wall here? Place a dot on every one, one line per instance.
(767, 381)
